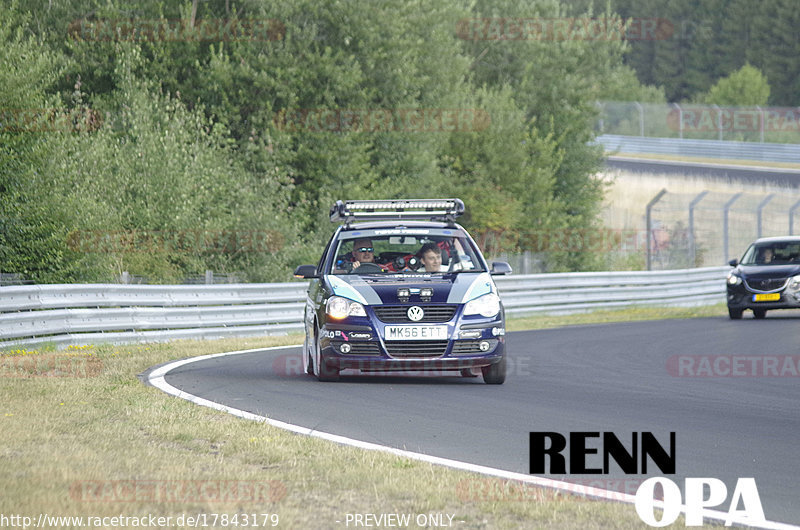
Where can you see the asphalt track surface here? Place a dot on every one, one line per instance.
(747, 174)
(610, 377)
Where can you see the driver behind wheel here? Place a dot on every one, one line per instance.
(363, 252)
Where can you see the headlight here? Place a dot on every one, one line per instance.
(794, 283)
(733, 279)
(487, 305)
(338, 308)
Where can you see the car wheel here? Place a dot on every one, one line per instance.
(321, 369)
(495, 374)
(467, 372)
(759, 313)
(735, 314)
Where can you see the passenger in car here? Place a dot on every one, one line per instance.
(431, 257)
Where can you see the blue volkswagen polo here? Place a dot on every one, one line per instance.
(401, 286)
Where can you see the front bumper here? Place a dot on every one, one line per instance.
(471, 344)
(739, 297)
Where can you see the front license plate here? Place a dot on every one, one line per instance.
(416, 332)
(769, 297)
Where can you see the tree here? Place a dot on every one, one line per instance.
(744, 87)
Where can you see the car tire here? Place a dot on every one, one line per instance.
(323, 372)
(759, 313)
(467, 372)
(735, 314)
(495, 374)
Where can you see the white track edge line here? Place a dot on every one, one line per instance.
(157, 379)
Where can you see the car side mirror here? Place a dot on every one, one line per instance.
(500, 268)
(306, 272)
(733, 262)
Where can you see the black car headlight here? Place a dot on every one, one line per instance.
(734, 279)
(338, 308)
(487, 305)
(794, 283)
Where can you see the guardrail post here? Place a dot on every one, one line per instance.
(125, 278)
(761, 209)
(726, 211)
(791, 217)
(649, 226)
(209, 277)
(692, 243)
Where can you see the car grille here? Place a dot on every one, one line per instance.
(360, 348)
(417, 348)
(770, 284)
(398, 313)
(472, 347)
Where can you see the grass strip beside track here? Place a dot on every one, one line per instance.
(86, 437)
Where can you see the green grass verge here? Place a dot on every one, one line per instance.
(621, 315)
(82, 436)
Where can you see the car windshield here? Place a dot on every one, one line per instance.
(368, 253)
(773, 253)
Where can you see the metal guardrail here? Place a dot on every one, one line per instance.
(81, 314)
(571, 292)
(767, 152)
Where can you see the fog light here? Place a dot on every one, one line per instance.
(484, 345)
(344, 348)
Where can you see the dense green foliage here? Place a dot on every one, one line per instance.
(711, 39)
(744, 87)
(187, 147)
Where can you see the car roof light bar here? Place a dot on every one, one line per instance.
(349, 211)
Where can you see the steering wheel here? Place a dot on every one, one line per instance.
(367, 268)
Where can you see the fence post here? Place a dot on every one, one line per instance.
(680, 120)
(649, 226)
(600, 121)
(641, 117)
(726, 211)
(791, 217)
(761, 209)
(760, 123)
(692, 244)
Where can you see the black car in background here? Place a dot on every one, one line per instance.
(767, 277)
